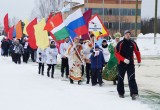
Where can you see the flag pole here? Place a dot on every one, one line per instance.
(76, 50)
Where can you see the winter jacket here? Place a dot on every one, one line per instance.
(18, 49)
(124, 50)
(106, 53)
(98, 61)
(51, 54)
(41, 56)
(63, 48)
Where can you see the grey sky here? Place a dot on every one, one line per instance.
(22, 8)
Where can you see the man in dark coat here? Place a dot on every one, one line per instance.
(124, 53)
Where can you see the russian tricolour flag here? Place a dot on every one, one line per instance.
(76, 24)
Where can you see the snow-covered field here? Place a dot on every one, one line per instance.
(21, 88)
(147, 46)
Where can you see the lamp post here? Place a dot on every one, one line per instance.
(136, 17)
(120, 1)
(155, 21)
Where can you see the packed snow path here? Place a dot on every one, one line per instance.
(22, 88)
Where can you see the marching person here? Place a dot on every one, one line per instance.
(51, 53)
(64, 62)
(124, 53)
(88, 45)
(75, 55)
(110, 72)
(18, 51)
(97, 62)
(26, 49)
(105, 50)
(41, 58)
(5, 46)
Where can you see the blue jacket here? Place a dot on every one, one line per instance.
(98, 61)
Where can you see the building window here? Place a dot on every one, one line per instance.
(139, 12)
(129, 12)
(115, 11)
(133, 12)
(97, 11)
(110, 11)
(105, 11)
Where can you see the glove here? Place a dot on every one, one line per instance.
(139, 64)
(126, 61)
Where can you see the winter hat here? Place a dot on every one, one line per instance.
(52, 41)
(117, 35)
(96, 46)
(104, 40)
(127, 31)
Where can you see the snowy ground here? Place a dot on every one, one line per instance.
(147, 46)
(21, 88)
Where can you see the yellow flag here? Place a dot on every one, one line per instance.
(100, 33)
(26, 22)
(41, 35)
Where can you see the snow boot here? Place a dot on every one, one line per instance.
(134, 96)
(48, 74)
(121, 96)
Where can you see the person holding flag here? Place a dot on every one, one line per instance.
(86, 49)
(97, 62)
(76, 59)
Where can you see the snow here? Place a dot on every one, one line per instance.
(22, 88)
(147, 46)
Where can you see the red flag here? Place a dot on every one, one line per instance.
(6, 24)
(30, 30)
(19, 30)
(49, 17)
(10, 33)
(51, 22)
(87, 16)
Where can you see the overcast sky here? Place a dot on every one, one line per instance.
(22, 8)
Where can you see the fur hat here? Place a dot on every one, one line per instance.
(117, 35)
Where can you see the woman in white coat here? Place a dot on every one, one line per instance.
(41, 59)
(51, 53)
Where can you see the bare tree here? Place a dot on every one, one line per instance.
(43, 8)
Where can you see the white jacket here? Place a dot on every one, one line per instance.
(106, 53)
(51, 54)
(41, 56)
(63, 48)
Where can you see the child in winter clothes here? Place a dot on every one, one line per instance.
(97, 62)
(41, 58)
(51, 53)
(106, 53)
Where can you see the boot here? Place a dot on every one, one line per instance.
(48, 74)
(87, 81)
(121, 96)
(71, 81)
(62, 75)
(43, 73)
(52, 75)
(134, 96)
(114, 82)
(79, 82)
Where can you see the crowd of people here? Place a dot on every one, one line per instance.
(108, 61)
